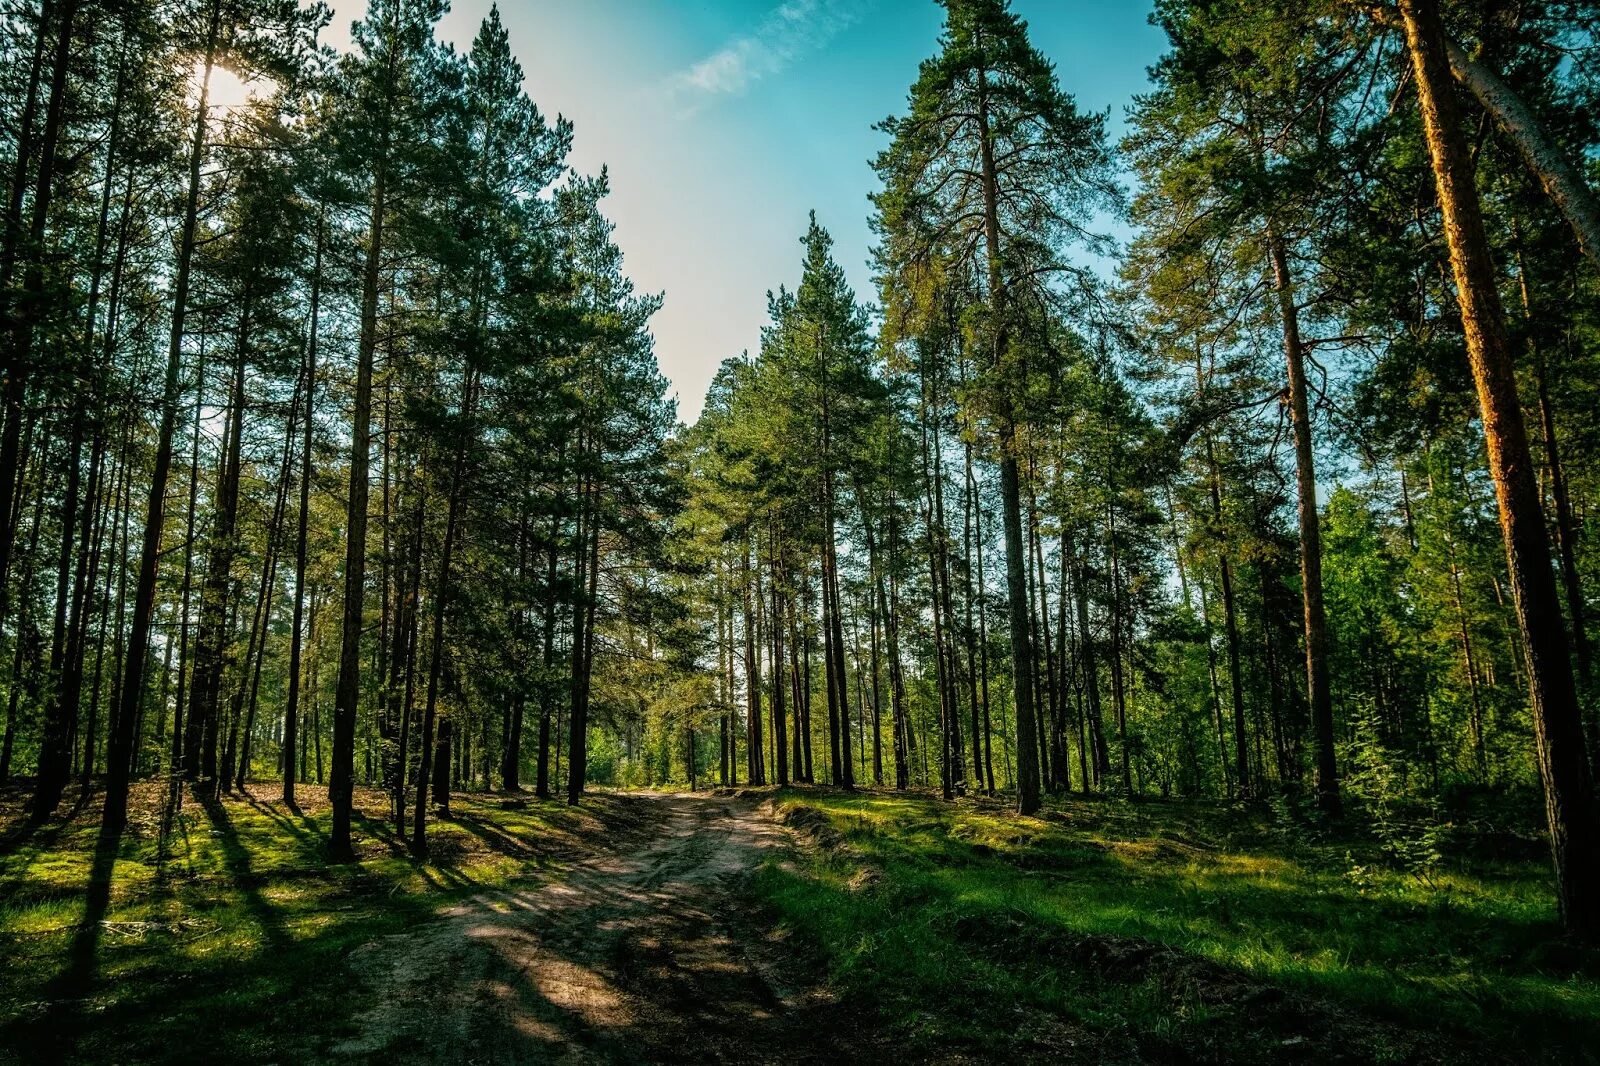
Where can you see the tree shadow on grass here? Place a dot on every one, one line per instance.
(241, 871)
(496, 838)
(52, 1032)
(1061, 907)
(381, 829)
(299, 825)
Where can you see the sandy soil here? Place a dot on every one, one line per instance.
(645, 956)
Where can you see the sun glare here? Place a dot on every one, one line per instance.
(228, 90)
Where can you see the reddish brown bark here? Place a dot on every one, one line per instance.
(1558, 732)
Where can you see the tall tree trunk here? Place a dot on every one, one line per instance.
(944, 605)
(983, 641)
(969, 631)
(1118, 625)
(55, 754)
(268, 586)
(111, 627)
(780, 740)
(1091, 677)
(591, 605)
(941, 664)
(115, 813)
(24, 627)
(725, 682)
(341, 786)
(442, 593)
(1230, 627)
(897, 688)
(1052, 761)
(1010, 483)
(752, 669)
(547, 692)
(832, 683)
(178, 768)
(411, 639)
(93, 514)
(808, 638)
(212, 643)
(291, 712)
(583, 560)
(799, 681)
(1566, 534)
(440, 774)
(880, 622)
(1569, 799)
(1318, 693)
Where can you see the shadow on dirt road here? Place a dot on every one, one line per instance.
(652, 955)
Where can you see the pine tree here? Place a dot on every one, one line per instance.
(995, 170)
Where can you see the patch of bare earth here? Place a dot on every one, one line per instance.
(649, 954)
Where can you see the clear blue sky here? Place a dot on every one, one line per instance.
(724, 121)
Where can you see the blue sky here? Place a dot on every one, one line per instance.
(724, 122)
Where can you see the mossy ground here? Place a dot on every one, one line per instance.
(1175, 931)
(228, 943)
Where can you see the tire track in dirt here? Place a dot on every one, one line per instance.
(647, 956)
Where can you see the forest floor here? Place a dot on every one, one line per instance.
(622, 930)
(797, 925)
(1171, 931)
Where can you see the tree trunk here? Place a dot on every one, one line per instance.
(1091, 677)
(542, 780)
(55, 755)
(114, 816)
(1231, 628)
(212, 641)
(1566, 533)
(24, 627)
(752, 671)
(969, 505)
(1119, 694)
(341, 786)
(1569, 799)
(441, 607)
(1316, 621)
(587, 548)
(780, 740)
(291, 713)
(1010, 486)
(269, 586)
(1561, 181)
(439, 776)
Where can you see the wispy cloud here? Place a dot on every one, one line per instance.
(784, 35)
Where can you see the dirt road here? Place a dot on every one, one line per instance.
(646, 956)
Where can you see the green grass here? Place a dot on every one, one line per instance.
(1101, 930)
(1173, 930)
(234, 939)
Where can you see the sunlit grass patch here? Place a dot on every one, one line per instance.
(1171, 917)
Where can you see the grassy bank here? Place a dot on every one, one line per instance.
(1175, 931)
(228, 942)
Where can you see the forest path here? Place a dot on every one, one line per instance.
(647, 955)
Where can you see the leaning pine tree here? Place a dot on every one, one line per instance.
(1558, 729)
